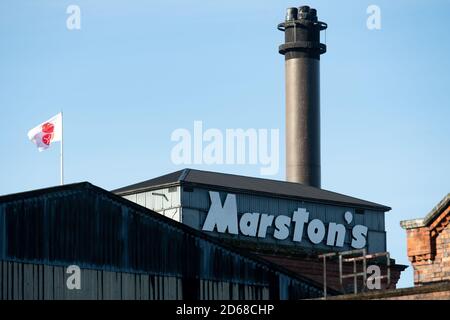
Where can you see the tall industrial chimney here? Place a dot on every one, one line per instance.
(302, 50)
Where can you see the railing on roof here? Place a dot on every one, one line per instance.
(355, 256)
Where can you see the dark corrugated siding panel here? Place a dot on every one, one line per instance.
(26, 281)
(91, 229)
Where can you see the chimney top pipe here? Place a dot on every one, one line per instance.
(302, 50)
(291, 14)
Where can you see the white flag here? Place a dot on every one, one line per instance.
(47, 132)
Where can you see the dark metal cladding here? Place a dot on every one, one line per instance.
(111, 238)
(302, 50)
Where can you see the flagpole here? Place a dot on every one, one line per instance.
(62, 150)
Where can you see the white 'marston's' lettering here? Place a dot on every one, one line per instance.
(225, 219)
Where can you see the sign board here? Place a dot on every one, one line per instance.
(225, 219)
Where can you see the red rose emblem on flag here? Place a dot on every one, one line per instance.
(47, 130)
(48, 127)
(46, 133)
(47, 138)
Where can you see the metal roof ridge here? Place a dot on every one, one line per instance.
(293, 184)
(186, 174)
(75, 185)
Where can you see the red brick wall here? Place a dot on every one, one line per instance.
(431, 260)
(419, 245)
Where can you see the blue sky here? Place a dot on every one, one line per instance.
(138, 70)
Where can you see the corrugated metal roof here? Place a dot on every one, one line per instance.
(248, 184)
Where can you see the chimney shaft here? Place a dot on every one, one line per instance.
(302, 50)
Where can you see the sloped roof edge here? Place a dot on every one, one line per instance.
(248, 184)
(429, 218)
